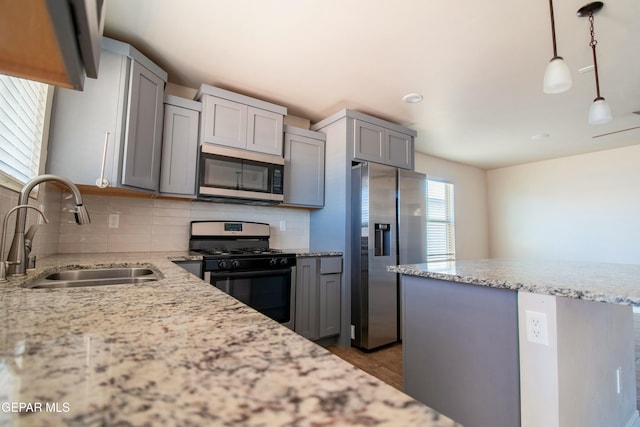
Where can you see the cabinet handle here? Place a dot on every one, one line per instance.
(102, 182)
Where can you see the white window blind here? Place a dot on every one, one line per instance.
(23, 108)
(440, 221)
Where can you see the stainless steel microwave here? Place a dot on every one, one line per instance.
(230, 175)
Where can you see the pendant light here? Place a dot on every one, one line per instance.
(557, 77)
(600, 112)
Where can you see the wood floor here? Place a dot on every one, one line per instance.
(384, 364)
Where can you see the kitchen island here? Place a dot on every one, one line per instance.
(176, 352)
(514, 342)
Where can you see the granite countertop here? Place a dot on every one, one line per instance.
(176, 352)
(611, 283)
(309, 253)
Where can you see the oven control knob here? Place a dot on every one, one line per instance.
(283, 261)
(235, 263)
(273, 261)
(223, 264)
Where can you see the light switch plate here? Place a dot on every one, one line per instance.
(114, 220)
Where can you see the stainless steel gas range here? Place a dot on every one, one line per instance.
(238, 260)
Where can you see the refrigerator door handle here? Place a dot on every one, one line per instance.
(382, 240)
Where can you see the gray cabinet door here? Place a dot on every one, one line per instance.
(306, 323)
(264, 131)
(124, 101)
(377, 144)
(461, 342)
(399, 149)
(224, 122)
(329, 305)
(179, 151)
(368, 142)
(80, 120)
(143, 143)
(303, 171)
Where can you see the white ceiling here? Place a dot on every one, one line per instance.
(479, 65)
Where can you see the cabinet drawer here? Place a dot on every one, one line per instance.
(329, 265)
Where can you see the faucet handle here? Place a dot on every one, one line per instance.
(3, 269)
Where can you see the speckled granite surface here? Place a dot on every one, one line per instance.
(177, 352)
(612, 283)
(306, 252)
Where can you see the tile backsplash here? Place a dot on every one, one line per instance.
(163, 225)
(143, 224)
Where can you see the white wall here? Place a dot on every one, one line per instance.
(470, 203)
(584, 207)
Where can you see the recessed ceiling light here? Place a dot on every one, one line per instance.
(412, 98)
(540, 136)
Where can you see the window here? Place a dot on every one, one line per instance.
(440, 221)
(24, 105)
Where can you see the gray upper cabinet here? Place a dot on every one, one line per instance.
(264, 131)
(379, 144)
(238, 121)
(304, 154)
(180, 147)
(370, 139)
(125, 102)
(224, 122)
(400, 151)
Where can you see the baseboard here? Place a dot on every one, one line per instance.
(634, 421)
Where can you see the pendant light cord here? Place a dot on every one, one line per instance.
(593, 44)
(553, 29)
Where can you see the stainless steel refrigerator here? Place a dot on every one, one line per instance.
(389, 228)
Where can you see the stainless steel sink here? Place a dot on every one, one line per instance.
(96, 277)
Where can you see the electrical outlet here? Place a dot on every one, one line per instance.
(114, 220)
(537, 331)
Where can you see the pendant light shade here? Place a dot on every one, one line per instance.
(557, 77)
(600, 112)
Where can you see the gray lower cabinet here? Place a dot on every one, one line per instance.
(125, 101)
(318, 289)
(303, 167)
(192, 266)
(180, 147)
(238, 121)
(460, 350)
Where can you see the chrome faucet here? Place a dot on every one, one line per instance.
(3, 263)
(16, 261)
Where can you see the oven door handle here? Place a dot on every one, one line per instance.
(261, 273)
